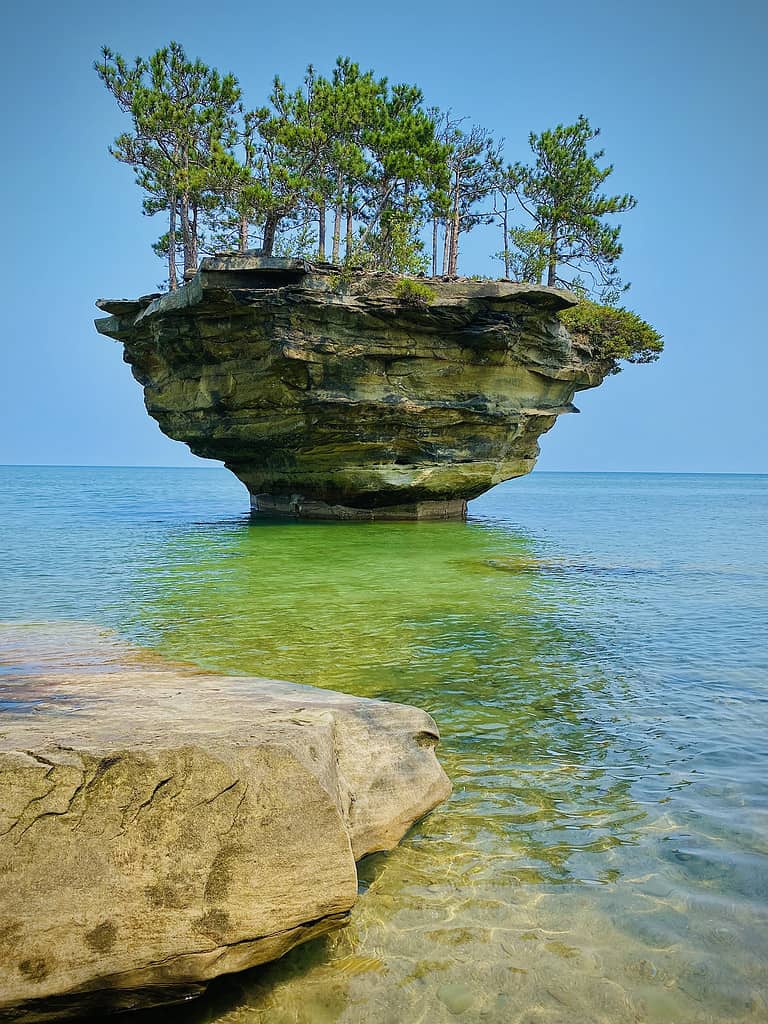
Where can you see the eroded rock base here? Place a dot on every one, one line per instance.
(309, 508)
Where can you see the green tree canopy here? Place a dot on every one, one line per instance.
(350, 149)
(560, 192)
(472, 158)
(183, 116)
(354, 156)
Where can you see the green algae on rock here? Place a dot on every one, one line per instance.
(332, 396)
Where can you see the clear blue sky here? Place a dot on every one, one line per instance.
(679, 90)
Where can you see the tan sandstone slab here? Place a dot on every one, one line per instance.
(160, 826)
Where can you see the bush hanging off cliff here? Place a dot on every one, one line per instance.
(615, 333)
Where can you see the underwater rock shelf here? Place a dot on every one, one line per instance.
(348, 396)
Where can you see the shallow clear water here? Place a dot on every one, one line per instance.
(594, 650)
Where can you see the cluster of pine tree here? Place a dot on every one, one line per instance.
(350, 168)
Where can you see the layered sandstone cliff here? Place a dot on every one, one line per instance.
(333, 396)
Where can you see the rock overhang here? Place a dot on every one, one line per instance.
(331, 394)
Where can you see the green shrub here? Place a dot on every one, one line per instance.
(414, 293)
(615, 333)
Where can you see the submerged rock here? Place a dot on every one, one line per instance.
(161, 826)
(334, 397)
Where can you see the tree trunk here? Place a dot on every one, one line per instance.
(434, 246)
(270, 231)
(186, 226)
(243, 238)
(446, 246)
(505, 229)
(455, 225)
(552, 264)
(349, 226)
(373, 221)
(453, 270)
(173, 282)
(186, 235)
(194, 236)
(337, 213)
(321, 232)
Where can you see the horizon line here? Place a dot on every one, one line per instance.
(605, 472)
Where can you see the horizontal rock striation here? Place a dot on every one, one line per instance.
(344, 397)
(161, 826)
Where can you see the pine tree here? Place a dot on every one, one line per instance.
(361, 157)
(560, 193)
(473, 161)
(345, 103)
(408, 171)
(183, 129)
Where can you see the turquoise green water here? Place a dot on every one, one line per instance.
(593, 649)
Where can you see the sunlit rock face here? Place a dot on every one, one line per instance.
(334, 397)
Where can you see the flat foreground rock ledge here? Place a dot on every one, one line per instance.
(160, 827)
(352, 396)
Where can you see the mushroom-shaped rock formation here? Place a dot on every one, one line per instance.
(354, 395)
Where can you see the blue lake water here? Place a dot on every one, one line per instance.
(593, 647)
